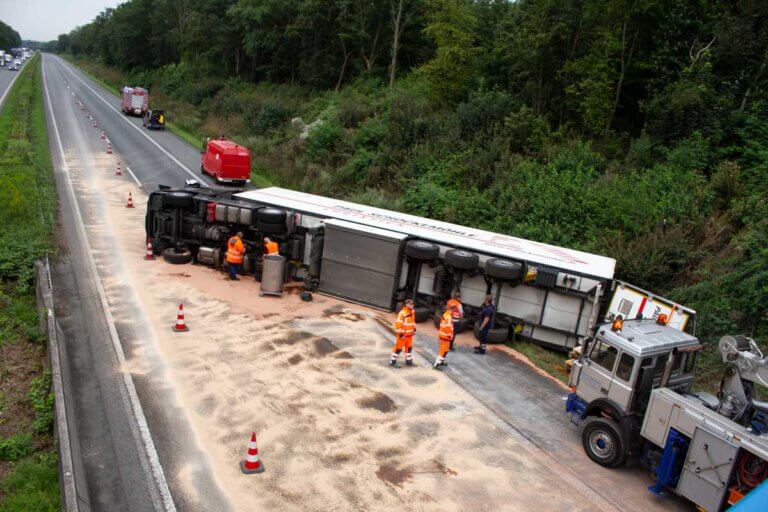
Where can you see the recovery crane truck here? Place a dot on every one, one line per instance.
(631, 388)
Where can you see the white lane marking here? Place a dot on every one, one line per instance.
(150, 139)
(138, 413)
(134, 177)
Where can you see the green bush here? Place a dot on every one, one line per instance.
(270, 116)
(42, 402)
(16, 447)
(322, 140)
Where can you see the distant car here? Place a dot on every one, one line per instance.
(13, 67)
(154, 119)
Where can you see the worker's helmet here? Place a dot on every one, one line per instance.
(409, 303)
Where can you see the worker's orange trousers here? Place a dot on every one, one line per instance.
(445, 345)
(404, 342)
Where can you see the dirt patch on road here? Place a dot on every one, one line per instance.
(378, 401)
(393, 475)
(324, 346)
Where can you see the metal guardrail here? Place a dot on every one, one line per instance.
(74, 492)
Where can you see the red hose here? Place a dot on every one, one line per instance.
(752, 471)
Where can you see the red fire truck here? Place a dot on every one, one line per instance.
(135, 101)
(226, 161)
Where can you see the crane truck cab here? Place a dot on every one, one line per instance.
(632, 390)
(226, 161)
(613, 379)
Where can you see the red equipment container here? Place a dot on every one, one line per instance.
(135, 101)
(227, 162)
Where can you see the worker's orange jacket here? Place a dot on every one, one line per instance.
(235, 250)
(458, 312)
(405, 325)
(445, 333)
(271, 248)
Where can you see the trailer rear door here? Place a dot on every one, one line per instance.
(631, 301)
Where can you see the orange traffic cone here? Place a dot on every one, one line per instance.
(150, 252)
(129, 204)
(95, 124)
(109, 149)
(103, 135)
(252, 464)
(118, 171)
(181, 324)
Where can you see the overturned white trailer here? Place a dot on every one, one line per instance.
(552, 296)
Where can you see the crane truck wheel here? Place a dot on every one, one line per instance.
(269, 228)
(461, 259)
(604, 442)
(272, 216)
(177, 256)
(421, 250)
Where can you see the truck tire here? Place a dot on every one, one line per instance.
(178, 200)
(272, 216)
(461, 259)
(503, 270)
(177, 256)
(421, 250)
(270, 229)
(496, 335)
(604, 442)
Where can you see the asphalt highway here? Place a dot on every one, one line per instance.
(7, 79)
(135, 441)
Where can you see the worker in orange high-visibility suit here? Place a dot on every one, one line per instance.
(457, 313)
(405, 328)
(445, 334)
(235, 251)
(270, 247)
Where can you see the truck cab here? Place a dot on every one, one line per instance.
(612, 381)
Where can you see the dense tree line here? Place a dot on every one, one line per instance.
(9, 38)
(634, 128)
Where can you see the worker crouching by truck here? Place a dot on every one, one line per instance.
(235, 252)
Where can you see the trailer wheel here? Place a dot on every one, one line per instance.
(604, 442)
(461, 259)
(496, 335)
(177, 256)
(178, 200)
(421, 250)
(505, 270)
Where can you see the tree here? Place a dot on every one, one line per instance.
(451, 72)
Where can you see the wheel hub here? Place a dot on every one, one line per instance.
(601, 444)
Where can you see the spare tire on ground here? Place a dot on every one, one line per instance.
(272, 216)
(504, 270)
(421, 250)
(178, 200)
(495, 335)
(461, 259)
(420, 314)
(177, 255)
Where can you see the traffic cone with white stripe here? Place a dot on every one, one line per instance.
(118, 170)
(109, 148)
(103, 135)
(95, 124)
(252, 464)
(150, 252)
(181, 324)
(129, 204)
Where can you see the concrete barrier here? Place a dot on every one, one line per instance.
(72, 484)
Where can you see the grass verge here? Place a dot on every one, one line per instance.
(548, 360)
(28, 466)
